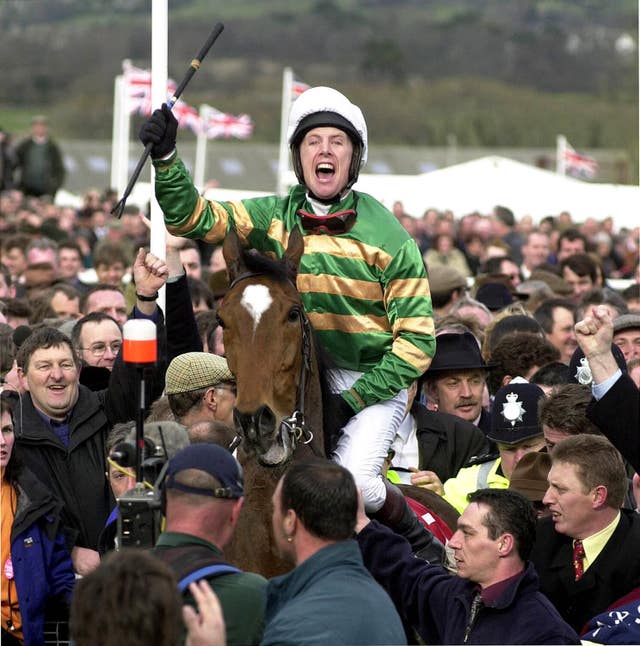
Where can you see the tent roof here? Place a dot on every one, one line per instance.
(483, 183)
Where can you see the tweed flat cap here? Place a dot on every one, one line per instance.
(443, 279)
(195, 370)
(626, 322)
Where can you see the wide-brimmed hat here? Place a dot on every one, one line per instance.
(494, 295)
(195, 370)
(457, 352)
(514, 416)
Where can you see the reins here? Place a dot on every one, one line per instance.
(295, 424)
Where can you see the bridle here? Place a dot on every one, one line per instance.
(294, 425)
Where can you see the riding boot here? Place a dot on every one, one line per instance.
(396, 514)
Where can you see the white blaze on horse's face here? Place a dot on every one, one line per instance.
(256, 299)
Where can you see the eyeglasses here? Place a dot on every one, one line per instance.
(98, 349)
(334, 223)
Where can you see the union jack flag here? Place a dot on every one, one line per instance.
(215, 124)
(219, 125)
(579, 165)
(297, 88)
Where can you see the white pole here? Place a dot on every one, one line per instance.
(561, 147)
(159, 38)
(201, 152)
(120, 137)
(115, 131)
(283, 159)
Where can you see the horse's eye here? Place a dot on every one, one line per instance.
(294, 314)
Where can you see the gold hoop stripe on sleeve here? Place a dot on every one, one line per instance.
(244, 223)
(411, 354)
(416, 324)
(407, 288)
(192, 221)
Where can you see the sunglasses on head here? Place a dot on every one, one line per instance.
(334, 223)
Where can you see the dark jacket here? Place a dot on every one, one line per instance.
(330, 599)
(446, 442)
(437, 604)
(615, 571)
(41, 563)
(617, 415)
(76, 474)
(51, 177)
(241, 595)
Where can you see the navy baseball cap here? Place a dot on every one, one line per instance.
(212, 459)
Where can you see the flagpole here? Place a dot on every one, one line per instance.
(118, 91)
(283, 159)
(561, 149)
(201, 151)
(159, 37)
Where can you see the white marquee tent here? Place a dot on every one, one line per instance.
(483, 183)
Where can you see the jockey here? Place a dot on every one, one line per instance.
(361, 278)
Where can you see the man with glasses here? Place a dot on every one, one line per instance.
(62, 425)
(97, 339)
(200, 387)
(361, 277)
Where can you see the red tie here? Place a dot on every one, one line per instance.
(578, 559)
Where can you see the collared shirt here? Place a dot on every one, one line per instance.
(600, 390)
(594, 544)
(492, 593)
(405, 446)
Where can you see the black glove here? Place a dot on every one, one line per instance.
(160, 130)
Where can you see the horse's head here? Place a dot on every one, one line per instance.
(264, 337)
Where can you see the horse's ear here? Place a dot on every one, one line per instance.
(294, 251)
(232, 254)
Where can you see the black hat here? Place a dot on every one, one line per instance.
(580, 371)
(514, 416)
(494, 295)
(456, 351)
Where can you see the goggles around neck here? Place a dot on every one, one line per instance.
(332, 224)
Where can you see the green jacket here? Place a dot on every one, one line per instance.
(365, 291)
(470, 479)
(242, 596)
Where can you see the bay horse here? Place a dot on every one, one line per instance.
(270, 348)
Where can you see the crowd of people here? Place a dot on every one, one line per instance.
(492, 360)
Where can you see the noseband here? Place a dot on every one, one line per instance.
(294, 425)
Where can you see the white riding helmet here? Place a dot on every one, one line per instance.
(324, 106)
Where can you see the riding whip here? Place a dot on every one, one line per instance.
(193, 68)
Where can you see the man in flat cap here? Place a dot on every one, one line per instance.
(200, 387)
(447, 286)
